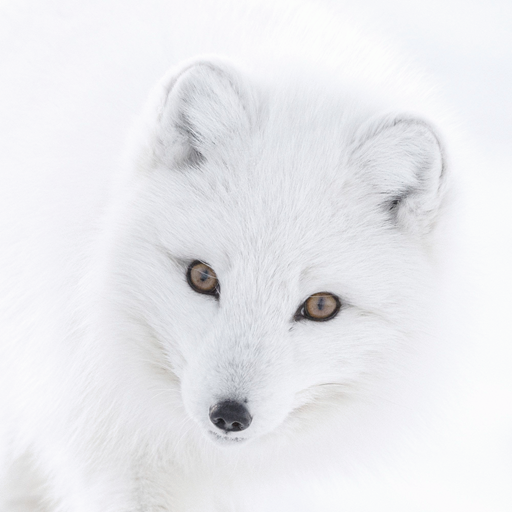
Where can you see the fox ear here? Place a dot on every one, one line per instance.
(200, 110)
(402, 159)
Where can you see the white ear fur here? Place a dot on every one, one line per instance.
(202, 111)
(402, 159)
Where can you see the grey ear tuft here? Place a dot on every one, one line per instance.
(201, 109)
(402, 159)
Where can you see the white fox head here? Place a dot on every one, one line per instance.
(274, 192)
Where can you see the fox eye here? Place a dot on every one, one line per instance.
(319, 307)
(202, 278)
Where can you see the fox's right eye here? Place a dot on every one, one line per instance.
(202, 279)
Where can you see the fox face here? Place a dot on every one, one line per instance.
(271, 249)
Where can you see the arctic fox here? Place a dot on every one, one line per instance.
(256, 298)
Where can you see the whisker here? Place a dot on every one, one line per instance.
(183, 436)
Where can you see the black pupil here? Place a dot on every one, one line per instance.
(205, 275)
(321, 303)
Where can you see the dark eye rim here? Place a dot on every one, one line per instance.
(215, 292)
(302, 314)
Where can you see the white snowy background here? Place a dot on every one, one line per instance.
(467, 47)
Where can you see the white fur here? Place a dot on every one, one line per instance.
(294, 157)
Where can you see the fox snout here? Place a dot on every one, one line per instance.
(230, 416)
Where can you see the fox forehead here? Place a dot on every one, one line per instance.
(257, 218)
(266, 195)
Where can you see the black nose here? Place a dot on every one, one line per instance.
(230, 416)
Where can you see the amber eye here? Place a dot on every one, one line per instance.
(202, 278)
(320, 307)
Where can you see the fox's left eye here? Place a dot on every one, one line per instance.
(319, 307)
